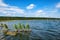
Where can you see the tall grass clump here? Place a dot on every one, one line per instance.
(27, 26)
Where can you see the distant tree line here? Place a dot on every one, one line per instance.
(27, 18)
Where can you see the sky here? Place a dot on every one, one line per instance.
(30, 8)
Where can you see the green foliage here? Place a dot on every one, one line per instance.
(27, 26)
(1, 24)
(19, 26)
(5, 26)
(23, 26)
(15, 26)
(5, 18)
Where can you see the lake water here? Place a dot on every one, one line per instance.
(41, 30)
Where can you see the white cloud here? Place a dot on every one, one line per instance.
(2, 3)
(8, 10)
(39, 12)
(44, 13)
(31, 6)
(8, 14)
(58, 5)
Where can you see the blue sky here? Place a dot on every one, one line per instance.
(30, 8)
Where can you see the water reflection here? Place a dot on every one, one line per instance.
(19, 36)
(41, 30)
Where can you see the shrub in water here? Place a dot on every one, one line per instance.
(23, 26)
(5, 26)
(19, 26)
(27, 26)
(15, 26)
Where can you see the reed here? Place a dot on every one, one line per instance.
(23, 26)
(27, 26)
(18, 28)
(1, 25)
(5, 26)
(15, 26)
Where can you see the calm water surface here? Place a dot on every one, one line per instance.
(41, 30)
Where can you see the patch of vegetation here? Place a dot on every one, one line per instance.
(27, 18)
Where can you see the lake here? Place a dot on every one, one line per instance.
(41, 30)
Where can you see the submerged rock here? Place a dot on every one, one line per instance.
(11, 33)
